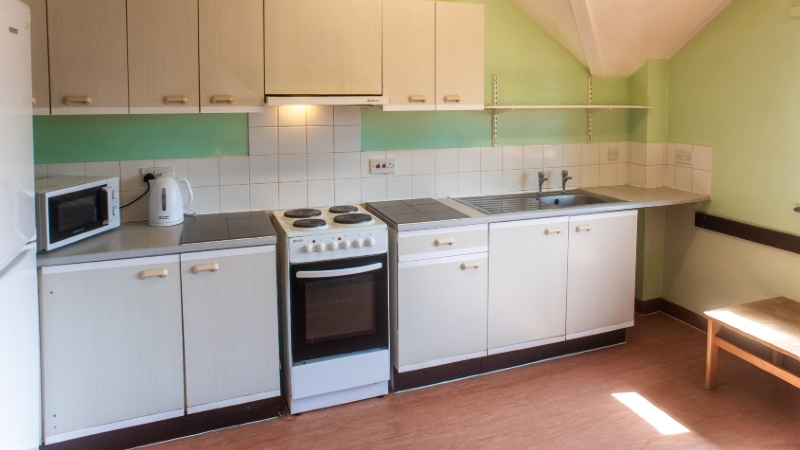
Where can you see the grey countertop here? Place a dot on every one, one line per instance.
(136, 240)
(634, 198)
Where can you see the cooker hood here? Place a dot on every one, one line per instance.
(326, 100)
(613, 38)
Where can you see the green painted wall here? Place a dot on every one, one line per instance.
(736, 87)
(650, 86)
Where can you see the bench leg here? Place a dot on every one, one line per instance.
(712, 354)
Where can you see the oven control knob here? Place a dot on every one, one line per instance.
(357, 243)
(369, 242)
(319, 248)
(344, 245)
(307, 248)
(333, 246)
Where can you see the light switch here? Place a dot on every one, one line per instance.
(381, 165)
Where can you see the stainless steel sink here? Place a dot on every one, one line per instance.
(532, 201)
(564, 200)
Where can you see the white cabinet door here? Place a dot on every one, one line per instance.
(112, 353)
(409, 55)
(602, 273)
(527, 283)
(459, 56)
(441, 310)
(230, 327)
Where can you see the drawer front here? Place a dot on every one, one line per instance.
(415, 245)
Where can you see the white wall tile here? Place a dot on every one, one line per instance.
(423, 162)
(654, 176)
(402, 162)
(469, 183)
(234, 170)
(347, 115)
(701, 157)
(590, 154)
(40, 170)
(137, 211)
(292, 116)
(669, 176)
(320, 139)
(701, 181)
(68, 169)
(398, 187)
(206, 199)
(365, 163)
(669, 154)
(423, 186)
(321, 193)
(293, 195)
(447, 160)
(292, 140)
(319, 115)
(347, 165)
(624, 152)
(638, 153)
(292, 168)
(234, 198)
(491, 159)
(683, 178)
(130, 174)
(608, 174)
(373, 189)
(269, 118)
(446, 185)
(532, 157)
(469, 160)
(178, 166)
(623, 173)
(590, 175)
(348, 191)
(492, 182)
(683, 147)
(346, 139)
(263, 141)
(513, 158)
(571, 155)
(552, 155)
(513, 180)
(111, 168)
(264, 196)
(637, 175)
(264, 169)
(655, 153)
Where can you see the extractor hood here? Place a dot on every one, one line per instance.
(614, 38)
(354, 100)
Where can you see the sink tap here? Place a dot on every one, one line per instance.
(564, 178)
(542, 179)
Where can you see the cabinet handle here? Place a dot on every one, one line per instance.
(213, 267)
(170, 99)
(33, 100)
(470, 265)
(455, 98)
(580, 228)
(549, 231)
(77, 100)
(417, 99)
(221, 99)
(444, 241)
(145, 274)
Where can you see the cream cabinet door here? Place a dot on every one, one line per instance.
(230, 314)
(409, 55)
(459, 56)
(41, 75)
(527, 283)
(231, 55)
(162, 56)
(112, 350)
(88, 56)
(323, 47)
(602, 273)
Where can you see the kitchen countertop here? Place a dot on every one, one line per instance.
(137, 240)
(634, 198)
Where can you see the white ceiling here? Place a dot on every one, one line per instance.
(613, 38)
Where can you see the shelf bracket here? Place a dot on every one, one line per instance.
(589, 112)
(494, 111)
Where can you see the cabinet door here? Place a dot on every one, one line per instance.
(323, 47)
(231, 56)
(459, 56)
(112, 352)
(41, 75)
(162, 56)
(602, 273)
(441, 310)
(230, 327)
(409, 55)
(527, 283)
(88, 56)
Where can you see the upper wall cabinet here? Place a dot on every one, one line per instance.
(459, 56)
(162, 56)
(41, 77)
(323, 47)
(88, 56)
(231, 55)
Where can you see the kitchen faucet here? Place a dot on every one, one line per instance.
(542, 179)
(564, 178)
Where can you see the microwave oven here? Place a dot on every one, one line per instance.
(69, 209)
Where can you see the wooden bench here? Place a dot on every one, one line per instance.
(774, 323)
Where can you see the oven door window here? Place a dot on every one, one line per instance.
(75, 213)
(339, 307)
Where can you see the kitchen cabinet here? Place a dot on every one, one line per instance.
(88, 57)
(439, 299)
(112, 350)
(163, 56)
(433, 55)
(230, 327)
(39, 65)
(231, 55)
(527, 283)
(602, 271)
(323, 47)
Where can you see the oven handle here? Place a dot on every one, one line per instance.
(337, 272)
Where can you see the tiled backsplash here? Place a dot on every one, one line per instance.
(310, 156)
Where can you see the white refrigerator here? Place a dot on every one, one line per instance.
(20, 386)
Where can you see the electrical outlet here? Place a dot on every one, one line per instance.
(381, 165)
(683, 157)
(613, 154)
(156, 171)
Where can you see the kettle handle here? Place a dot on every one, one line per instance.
(188, 187)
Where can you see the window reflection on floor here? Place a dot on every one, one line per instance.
(660, 420)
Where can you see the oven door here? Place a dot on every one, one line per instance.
(339, 307)
(71, 214)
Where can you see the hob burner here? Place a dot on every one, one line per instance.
(302, 213)
(309, 223)
(342, 209)
(352, 219)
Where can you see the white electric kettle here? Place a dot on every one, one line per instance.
(166, 202)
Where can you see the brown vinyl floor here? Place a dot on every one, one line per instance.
(565, 403)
